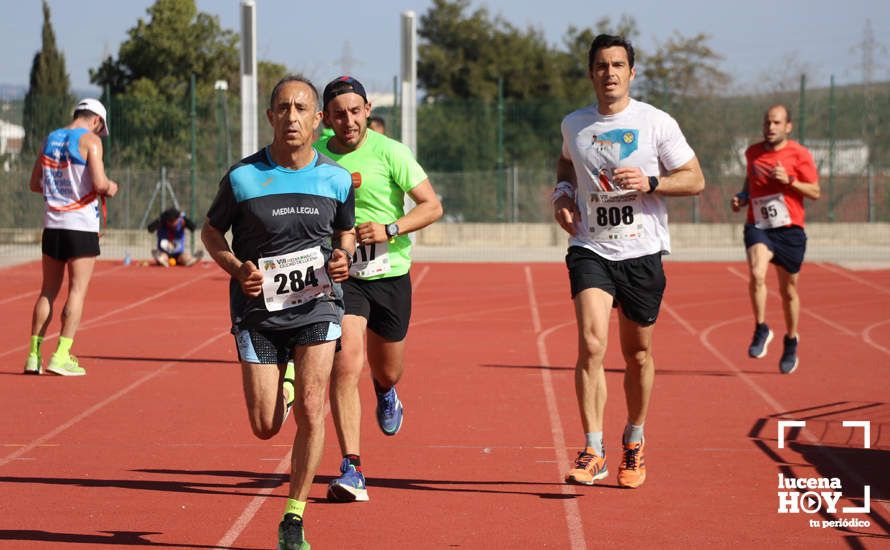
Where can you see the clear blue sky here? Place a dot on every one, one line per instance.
(757, 38)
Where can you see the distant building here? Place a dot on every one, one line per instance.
(850, 157)
(11, 138)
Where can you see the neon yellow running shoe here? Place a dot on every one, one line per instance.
(65, 366)
(33, 365)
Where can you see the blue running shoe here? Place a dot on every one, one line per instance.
(350, 486)
(290, 533)
(759, 342)
(788, 362)
(389, 411)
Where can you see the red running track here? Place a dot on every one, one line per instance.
(152, 447)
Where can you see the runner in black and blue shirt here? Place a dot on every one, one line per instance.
(291, 212)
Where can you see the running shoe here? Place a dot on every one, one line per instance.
(65, 366)
(588, 468)
(389, 411)
(632, 471)
(289, 377)
(32, 365)
(759, 342)
(290, 533)
(350, 486)
(788, 362)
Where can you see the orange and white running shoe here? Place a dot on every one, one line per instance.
(588, 468)
(632, 471)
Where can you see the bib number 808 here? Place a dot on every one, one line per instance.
(298, 281)
(614, 215)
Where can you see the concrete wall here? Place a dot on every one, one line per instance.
(539, 242)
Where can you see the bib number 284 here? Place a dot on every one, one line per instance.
(293, 279)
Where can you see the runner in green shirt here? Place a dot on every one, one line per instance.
(378, 291)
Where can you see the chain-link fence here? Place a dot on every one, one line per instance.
(490, 162)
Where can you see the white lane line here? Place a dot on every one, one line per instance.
(572, 510)
(777, 407)
(844, 273)
(252, 508)
(805, 311)
(115, 311)
(114, 397)
(33, 293)
(247, 515)
(866, 335)
(420, 278)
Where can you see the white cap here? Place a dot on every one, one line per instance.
(94, 106)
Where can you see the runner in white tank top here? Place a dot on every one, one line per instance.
(71, 201)
(71, 177)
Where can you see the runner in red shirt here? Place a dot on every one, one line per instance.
(780, 174)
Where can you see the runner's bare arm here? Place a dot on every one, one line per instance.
(740, 199)
(246, 273)
(344, 249)
(36, 183)
(427, 210)
(808, 189)
(565, 209)
(684, 181)
(91, 151)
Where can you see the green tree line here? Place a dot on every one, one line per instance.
(493, 97)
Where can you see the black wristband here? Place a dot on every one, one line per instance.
(653, 184)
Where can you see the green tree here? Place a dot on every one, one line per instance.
(149, 81)
(463, 56)
(683, 77)
(682, 67)
(48, 101)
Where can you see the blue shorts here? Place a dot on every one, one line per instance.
(270, 347)
(788, 244)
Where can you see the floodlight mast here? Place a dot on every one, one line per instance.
(409, 81)
(409, 90)
(249, 117)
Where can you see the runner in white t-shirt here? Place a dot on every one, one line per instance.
(619, 157)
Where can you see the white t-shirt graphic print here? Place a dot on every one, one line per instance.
(619, 224)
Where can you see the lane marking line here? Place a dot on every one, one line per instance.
(40, 441)
(572, 510)
(777, 407)
(115, 311)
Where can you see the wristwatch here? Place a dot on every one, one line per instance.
(392, 230)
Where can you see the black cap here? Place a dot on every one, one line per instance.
(342, 85)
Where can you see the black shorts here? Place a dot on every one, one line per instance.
(637, 284)
(64, 244)
(267, 347)
(385, 303)
(788, 244)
